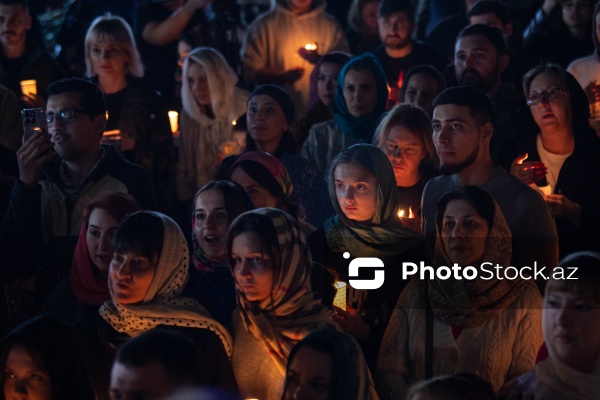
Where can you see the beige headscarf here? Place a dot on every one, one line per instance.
(464, 303)
(163, 304)
(294, 310)
(566, 381)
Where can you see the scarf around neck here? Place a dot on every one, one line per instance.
(384, 237)
(293, 311)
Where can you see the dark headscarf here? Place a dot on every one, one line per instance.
(350, 376)
(53, 343)
(280, 96)
(384, 236)
(363, 127)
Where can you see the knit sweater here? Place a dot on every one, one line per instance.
(497, 351)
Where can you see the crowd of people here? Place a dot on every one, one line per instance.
(193, 217)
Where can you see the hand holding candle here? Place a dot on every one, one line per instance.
(309, 53)
(29, 87)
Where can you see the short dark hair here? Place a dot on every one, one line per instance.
(173, 350)
(479, 199)
(498, 8)
(90, 96)
(235, 197)
(480, 105)
(492, 34)
(141, 233)
(389, 7)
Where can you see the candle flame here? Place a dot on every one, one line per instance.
(310, 46)
(410, 212)
(401, 213)
(233, 123)
(173, 119)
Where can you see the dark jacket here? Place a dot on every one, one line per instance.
(42, 224)
(39, 65)
(144, 121)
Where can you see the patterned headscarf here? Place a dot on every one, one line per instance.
(163, 304)
(361, 128)
(466, 304)
(275, 167)
(384, 236)
(293, 310)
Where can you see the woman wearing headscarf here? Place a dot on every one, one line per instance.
(360, 100)
(146, 278)
(487, 325)
(362, 188)
(269, 116)
(328, 364)
(559, 159)
(570, 322)
(216, 205)
(268, 184)
(211, 102)
(271, 264)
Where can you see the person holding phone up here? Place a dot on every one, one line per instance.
(61, 168)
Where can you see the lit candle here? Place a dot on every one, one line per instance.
(546, 190)
(311, 46)
(340, 295)
(174, 119)
(411, 222)
(29, 87)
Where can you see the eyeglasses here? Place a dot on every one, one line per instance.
(66, 116)
(546, 96)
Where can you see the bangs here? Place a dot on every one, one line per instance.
(587, 289)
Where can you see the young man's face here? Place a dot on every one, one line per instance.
(149, 382)
(477, 63)
(74, 133)
(456, 136)
(395, 30)
(14, 24)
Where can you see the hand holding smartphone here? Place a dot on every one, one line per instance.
(34, 120)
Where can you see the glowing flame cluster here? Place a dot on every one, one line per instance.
(401, 213)
(311, 46)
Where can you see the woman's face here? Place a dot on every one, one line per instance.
(308, 376)
(405, 152)
(108, 59)
(553, 114)
(198, 84)
(327, 82)
(211, 223)
(571, 324)
(131, 276)
(100, 232)
(360, 92)
(421, 90)
(266, 120)
(260, 196)
(356, 191)
(24, 378)
(464, 233)
(253, 267)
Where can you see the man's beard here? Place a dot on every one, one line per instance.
(477, 81)
(449, 169)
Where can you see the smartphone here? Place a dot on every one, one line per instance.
(34, 120)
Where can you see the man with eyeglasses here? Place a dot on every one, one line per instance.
(463, 126)
(59, 171)
(562, 42)
(480, 58)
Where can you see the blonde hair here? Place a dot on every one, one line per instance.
(221, 80)
(116, 29)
